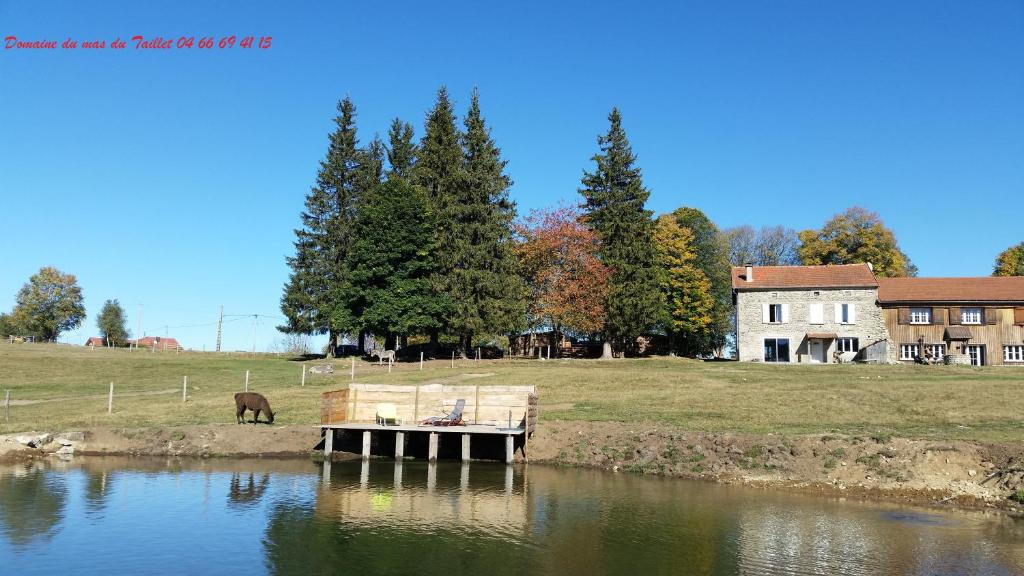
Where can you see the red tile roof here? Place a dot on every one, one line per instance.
(94, 341)
(831, 276)
(979, 289)
(158, 342)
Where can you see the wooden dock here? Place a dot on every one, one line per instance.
(490, 412)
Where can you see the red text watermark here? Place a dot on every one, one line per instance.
(140, 42)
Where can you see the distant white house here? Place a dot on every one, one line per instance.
(812, 314)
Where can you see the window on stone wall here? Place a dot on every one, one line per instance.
(776, 349)
(847, 345)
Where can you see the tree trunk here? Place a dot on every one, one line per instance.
(332, 344)
(606, 350)
(362, 342)
(389, 341)
(404, 340)
(465, 343)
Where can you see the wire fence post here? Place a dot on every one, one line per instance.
(421, 360)
(7, 406)
(110, 400)
(353, 369)
(453, 358)
(184, 389)
(303, 375)
(246, 380)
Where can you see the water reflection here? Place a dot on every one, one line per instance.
(376, 517)
(31, 503)
(247, 492)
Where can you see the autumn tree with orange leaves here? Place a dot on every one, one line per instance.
(568, 284)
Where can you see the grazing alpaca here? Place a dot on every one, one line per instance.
(255, 402)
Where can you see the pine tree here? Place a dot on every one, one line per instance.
(439, 171)
(401, 150)
(686, 290)
(614, 197)
(484, 286)
(711, 251)
(311, 296)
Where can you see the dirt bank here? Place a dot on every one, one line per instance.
(925, 472)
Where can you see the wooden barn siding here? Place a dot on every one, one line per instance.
(993, 336)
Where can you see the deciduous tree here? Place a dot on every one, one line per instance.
(391, 261)
(112, 323)
(689, 305)
(711, 256)
(48, 304)
(567, 282)
(614, 198)
(1010, 262)
(766, 246)
(856, 236)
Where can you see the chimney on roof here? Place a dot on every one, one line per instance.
(871, 267)
(750, 272)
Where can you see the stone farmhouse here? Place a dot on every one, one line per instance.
(814, 314)
(826, 314)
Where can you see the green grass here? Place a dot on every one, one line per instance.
(941, 402)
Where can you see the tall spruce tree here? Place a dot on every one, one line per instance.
(484, 286)
(440, 171)
(614, 197)
(401, 150)
(311, 300)
(711, 248)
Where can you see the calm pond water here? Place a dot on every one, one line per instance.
(146, 516)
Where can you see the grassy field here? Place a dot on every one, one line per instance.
(913, 401)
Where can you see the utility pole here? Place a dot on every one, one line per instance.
(254, 317)
(138, 327)
(220, 322)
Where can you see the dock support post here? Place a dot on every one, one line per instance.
(399, 446)
(508, 480)
(364, 474)
(432, 447)
(431, 477)
(366, 444)
(328, 443)
(326, 479)
(465, 447)
(464, 477)
(509, 449)
(398, 475)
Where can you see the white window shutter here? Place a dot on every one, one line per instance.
(817, 313)
(853, 314)
(764, 313)
(785, 313)
(839, 313)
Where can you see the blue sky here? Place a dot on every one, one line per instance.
(173, 179)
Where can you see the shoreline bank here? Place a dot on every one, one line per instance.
(962, 474)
